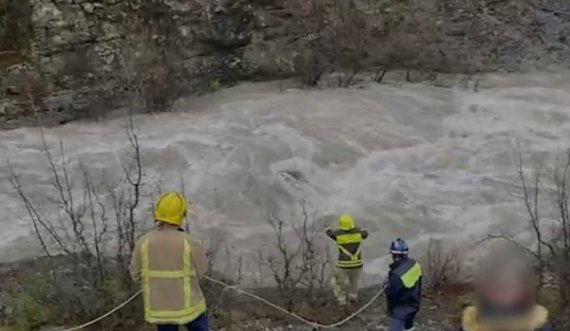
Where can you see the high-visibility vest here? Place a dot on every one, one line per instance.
(411, 277)
(179, 282)
(349, 259)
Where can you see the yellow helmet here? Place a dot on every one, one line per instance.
(346, 222)
(171, 208)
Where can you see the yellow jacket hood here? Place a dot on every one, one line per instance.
(537, 318)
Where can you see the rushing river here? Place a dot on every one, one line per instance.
(407, 160)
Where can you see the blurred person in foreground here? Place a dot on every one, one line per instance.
(168, 263)
(506, 295)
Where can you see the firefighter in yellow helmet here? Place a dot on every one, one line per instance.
(168, 263)
(346, 276)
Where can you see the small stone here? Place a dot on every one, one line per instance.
(88, 8)
(13, 90)
(10, 108)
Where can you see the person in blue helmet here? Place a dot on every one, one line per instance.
(403, 288)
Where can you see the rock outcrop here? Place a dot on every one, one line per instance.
(79, 53)
(65, 59)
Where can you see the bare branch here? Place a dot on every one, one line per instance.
(135, 182)
(90, 191)
(34, 216)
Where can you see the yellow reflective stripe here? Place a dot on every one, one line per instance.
(144, 269)
(411, 277)
(190, 271)
(355, 259)
(349, 238)
(350, 266)
(166, 273)
(345, 251)
(352, 257)
(170, 314)
(349, 263)
(190, 311)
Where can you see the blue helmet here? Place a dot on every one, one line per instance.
(399, 247)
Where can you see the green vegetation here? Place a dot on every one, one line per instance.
(215, 85)
(28, 313)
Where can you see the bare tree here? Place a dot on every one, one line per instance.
(135, 182)
(441, 265)
(336, 39)
(559, 246)
(544, 195)
(349, 40)
(298, 263)
(78, 235)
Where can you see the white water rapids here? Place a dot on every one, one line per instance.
(406, 160)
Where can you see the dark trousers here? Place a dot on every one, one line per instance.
(401, 325)
(199, 324)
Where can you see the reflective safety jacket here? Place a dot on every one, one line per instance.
(404, 289)
(348, 242)
(163, 261)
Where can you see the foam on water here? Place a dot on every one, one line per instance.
(409, 161)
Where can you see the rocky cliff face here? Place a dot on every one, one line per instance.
(77, 56)
(65, 59)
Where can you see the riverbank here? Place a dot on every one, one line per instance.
(29, 301)
(22, 306)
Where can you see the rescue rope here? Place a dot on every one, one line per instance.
(251, 295)
(102, 317)
(285, 311)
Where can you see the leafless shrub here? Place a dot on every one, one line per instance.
(91, 236)
(162, 88)
(544, 194)
(336, 39)
(379, 74)
(154, 70)
(349, 40)
(226, 265)
(223, 259)
(560, 233)
(441, 265)
(299, 262)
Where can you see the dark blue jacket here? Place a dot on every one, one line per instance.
(404, 289)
